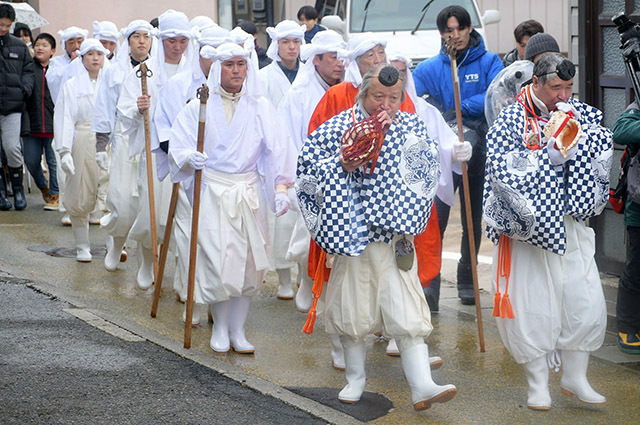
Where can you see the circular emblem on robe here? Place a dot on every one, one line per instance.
(419, 166)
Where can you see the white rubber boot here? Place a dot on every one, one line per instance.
(574, 377)
(435, 362)
(115, 253)
(220, 334)
(355, 353)
(81, 236)
(392, 348)
(285, 290)
(304, 296)
(238, 312)
(537, 372)
(337, 352)
(66, 218)
(145, 269)
(424, 392)
(195, 316)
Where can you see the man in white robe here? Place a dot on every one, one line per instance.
(71, 38)
(536, 199)
(248, 163)
(173, 42)
(277, 79)
(322, 69)
(367, 220)
(174, 95)
(122, 196)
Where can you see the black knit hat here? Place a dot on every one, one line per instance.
(540, 43)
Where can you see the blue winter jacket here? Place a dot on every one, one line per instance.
(476, 70)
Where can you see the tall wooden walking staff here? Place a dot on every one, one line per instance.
(143, 73)
(450, 45)
(164, 249)
(203, 95)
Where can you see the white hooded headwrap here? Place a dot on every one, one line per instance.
(122, 57)
(357, 46)
(410, 85)
(105, 30)
(76, 68)
(283, 30)
(173, 24)
(202, 23)
(208, 40)
(327, 41)
(225, 52)
(72, 32)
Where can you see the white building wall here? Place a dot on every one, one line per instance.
(554, 15)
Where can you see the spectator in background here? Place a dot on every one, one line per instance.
(308, 16)
(538, 45)
(625, 132)
(477, 67)
(250, 28)
(523, 32)
(23, 32)
(40, 110)
(16, 84)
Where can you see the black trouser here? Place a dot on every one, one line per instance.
(628, 305)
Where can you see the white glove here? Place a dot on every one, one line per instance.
(197, 160)
(66, 162)
(566, 108)
(282, 203)
(102, 158)
(462, 151)
(556, 157)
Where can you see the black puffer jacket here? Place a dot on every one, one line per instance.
(16, 74)
(40, 104)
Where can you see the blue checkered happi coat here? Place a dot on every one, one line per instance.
(526, 197)
(343, 211)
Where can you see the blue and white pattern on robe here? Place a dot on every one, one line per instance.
(526, 197)
(344, 212)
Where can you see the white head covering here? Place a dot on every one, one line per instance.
(122, 57)
(240, 36)
(283, 30)
(72, 32)
(357, 46)
(410, 85)
(202, 23)
(91, 44)
(105, 30)
(327, 41)
(225, 52)
(83, 86)
(173, 24)
(208, 40)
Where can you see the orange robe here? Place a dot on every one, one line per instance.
(428, 244)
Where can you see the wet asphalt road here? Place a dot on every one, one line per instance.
(57, 369)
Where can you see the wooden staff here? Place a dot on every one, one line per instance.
(203, 95)
(143, 73)
(450, 46)
(164, 248)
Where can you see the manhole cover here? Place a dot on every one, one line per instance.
(371, 405)
(97, 251)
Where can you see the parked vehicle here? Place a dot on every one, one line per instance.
(409, 26)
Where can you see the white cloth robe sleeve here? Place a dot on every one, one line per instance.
(173, 96)
(104, 116)
(64, 118)
(298, 105)
(265, 147)
(439, 131)
(131, 120)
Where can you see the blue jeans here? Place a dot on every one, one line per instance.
(33, 147)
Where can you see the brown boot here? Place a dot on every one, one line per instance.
(45, 195)
(53, 204)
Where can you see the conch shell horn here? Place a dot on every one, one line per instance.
(565, 129)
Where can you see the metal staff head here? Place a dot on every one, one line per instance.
(203, 94)
(143, 70)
